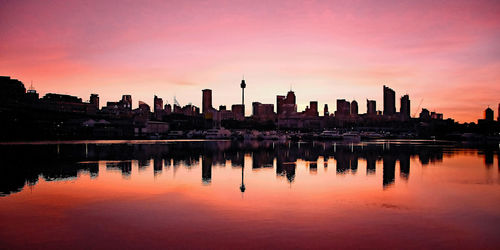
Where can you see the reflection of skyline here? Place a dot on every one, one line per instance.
(66, 161)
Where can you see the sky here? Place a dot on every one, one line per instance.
(444, 54)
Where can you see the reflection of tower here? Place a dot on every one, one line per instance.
(242, 187)
(243, 85)
(388, 170)
(206, 169)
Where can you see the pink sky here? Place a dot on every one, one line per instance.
(444, 52)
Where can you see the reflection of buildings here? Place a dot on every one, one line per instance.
(388, 170)
(63, 162)
(206, 169)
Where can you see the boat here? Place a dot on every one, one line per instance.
(175, 134)
(351, 136)
(330, 135)
(218, 133)
(251, 135)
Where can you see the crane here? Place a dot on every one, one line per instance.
(418, 107)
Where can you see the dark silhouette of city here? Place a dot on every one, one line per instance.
(26, 116)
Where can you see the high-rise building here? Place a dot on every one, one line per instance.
(389, 101)
(425, 114)
(168, 109)
(343, 108)
(371, 107)
(127, 102)
(94, 99)
(498, 118)
(325, 111)
(158, 104)
(312, 109)
(286, 105)
(263, 111)
(238, 110)
(354, 108)
(207, 101)
(405, 108)
(488, 114)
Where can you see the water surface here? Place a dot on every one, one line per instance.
(223, 194)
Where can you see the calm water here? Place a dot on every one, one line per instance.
(157, 194)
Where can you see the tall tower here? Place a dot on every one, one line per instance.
(206, 101)
(389, 101)
(243, 85)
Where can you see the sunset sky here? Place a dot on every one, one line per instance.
(444, 52)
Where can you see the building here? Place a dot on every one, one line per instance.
(66, 103)
(498, 118)
(94, 100)
(343, 108)
(158, 105)
(405, 108)
(263, 112)
(127, 102)
(12, 90)
(207, 101)
(436, 116)
(238, 111)
(167, 109)
(389, 101)
(354, 108)
(425, 114)
(489, 114)
(371, 107)
(286, 106)
(312, 109)
(325, 111)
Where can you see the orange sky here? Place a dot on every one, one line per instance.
(444, 52)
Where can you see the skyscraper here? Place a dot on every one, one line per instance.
(371, 107)
(286, 105)
(405, 108)
(498, 118)
(343, 108)
(94, 99)
(325, 110)
(488, 114)
(127, 102)
(389, 101)
(207, 101)
(354, 107)
(158, 104)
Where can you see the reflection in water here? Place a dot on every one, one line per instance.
(65, 161)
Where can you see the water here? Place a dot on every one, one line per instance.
(173, 194)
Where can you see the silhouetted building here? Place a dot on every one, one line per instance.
(405, 108)
(498, 118)
(325, 111)
(489, 114)
(158, 104)
(238, 111)
(286, 106)
(11, 90)
(127, 102)
(343, 108)
(168, 109)
(354, 108)
(389, 101)
(436, 116)
(94, 100)
(371, 107)
(66, 103)
(312, 109)
(425, 114)
(207, 101)
(263, 111)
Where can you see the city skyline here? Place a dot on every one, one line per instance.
(444, 53)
